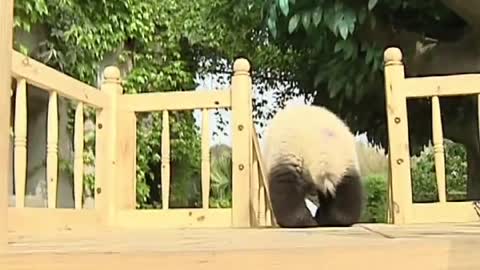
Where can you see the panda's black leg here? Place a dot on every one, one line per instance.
(346, 207)
(287, 195)
(323, 212)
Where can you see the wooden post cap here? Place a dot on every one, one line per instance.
(111, 73)
(241, 65)
(392, 54)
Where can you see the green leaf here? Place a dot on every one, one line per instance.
(338, 6)
(362, 14)
(319, 77)
(306, 20)
(369, 56)
(339, 46)
(347, 46)
(330, 19)
(372, 4)
(359, 94)
(359, 77)
(343, 29)
(348, 90)
(272, 26)
(317, 16)
(334, 89)
(283, 6)
(351, 51)
(293, 23)
(373, 21)
(350, 19)
(23, 49)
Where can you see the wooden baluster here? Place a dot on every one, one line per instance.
(20, 142)
(78, 156)
(205, 159)
(254, 189)
(52, 149)
(165, 160)
(438, 148)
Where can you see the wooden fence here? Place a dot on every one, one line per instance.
(398, 89)
(115, 150)
(115, 165)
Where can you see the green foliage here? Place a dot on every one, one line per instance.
(424, 178)
(329, 28)
(337, 49)
(376, 207)
(374, 169)
(221, 176)
(185, 156)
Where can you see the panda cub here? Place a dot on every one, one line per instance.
(312, 169)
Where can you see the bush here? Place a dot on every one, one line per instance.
(221, 176)
(375, 210)
(423, 180)
(374, 166)
(424, 183)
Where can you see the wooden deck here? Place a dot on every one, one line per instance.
(365, 246)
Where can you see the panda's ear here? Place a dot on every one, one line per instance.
(312, 208)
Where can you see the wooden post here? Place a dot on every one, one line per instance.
(6, 31)
(399, 153)
(241, 143)
(106, 147)
(126, 160)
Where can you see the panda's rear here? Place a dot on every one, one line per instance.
(310, 153)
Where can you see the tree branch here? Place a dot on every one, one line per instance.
(445, 58)
(469, 10)
(423, 57)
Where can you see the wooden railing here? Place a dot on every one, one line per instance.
(25, 70)
(237, 98)
(28, 71)
(398, 90)
(6, 38)
(115, 153)
(260, 197)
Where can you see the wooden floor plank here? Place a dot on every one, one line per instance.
(364, 246)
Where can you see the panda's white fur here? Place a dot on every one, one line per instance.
(309, 153)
